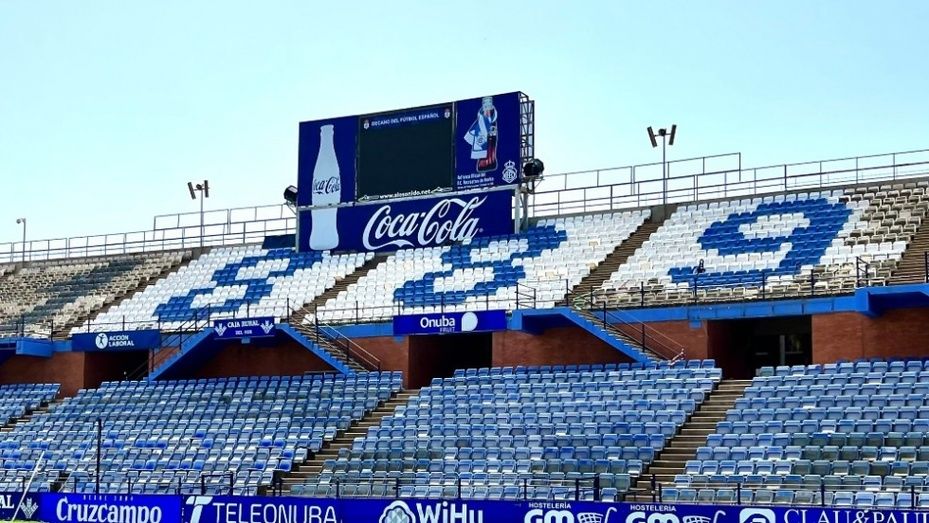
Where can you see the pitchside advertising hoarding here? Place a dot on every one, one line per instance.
(113, 341)
(449, 323)
(87, 508)
(419, 222)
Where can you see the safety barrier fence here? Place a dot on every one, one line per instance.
(618, 188)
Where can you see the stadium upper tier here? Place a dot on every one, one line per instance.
(161, 436)
(495, 430)
(43, 297)
(548, 260)
(785, 245)
(232, 282)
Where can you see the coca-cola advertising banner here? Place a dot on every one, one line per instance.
(326, 161)
(392, 225)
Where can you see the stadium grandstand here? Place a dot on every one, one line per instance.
(722, 336)
(725, 336)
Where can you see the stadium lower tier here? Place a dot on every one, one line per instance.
(848, 434)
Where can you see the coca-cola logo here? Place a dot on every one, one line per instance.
(332, 185)
(433, 227)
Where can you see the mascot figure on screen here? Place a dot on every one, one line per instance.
(482, 136)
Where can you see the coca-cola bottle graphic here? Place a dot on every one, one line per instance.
(488, 118)
(327, 190)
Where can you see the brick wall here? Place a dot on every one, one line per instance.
(65, 368)
(287, 358)
(849, 335)
(558, 346)
(393, 353)
(695, 341)
(112, 366)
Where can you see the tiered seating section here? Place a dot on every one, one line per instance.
(245, 281)
(547, 261)
(858, 431)
(495, 430)
(787, 244)
(164, 436)
(51, 295)
(781, 245)
(6, 268)
(15, 401)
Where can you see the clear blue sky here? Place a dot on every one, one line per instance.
(107, 108)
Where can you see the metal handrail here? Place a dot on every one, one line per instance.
(352, 349)
(530, 293)
(643, 294)
(748, 182)
(738, 486)
(668, 349)
(573, 489)
(700, 183)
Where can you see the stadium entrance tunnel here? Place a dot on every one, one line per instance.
(438, 356)
(742, 346)
(114, 366)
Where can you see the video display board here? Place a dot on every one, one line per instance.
(462, 145)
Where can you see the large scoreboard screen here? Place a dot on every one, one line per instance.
(404, 152)
(455, 146)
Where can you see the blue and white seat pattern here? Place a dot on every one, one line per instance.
(15, 401)
(549, 259)
(160, 435)
(789, 242)
(491, 429)
(858, 431)
(235, 281)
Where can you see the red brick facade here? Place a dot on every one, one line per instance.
(847, 335)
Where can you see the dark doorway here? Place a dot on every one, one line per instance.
(114, 366)
(440, 355)
(742, 346)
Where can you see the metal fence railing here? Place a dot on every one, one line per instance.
(688, 180)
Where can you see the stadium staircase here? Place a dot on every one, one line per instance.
(683, 446)
(912, 266)
(65, 332)
(26, 417)
(297, 317)
(340, 349)
(12, 268)
(344, 350)
(608, 266)
(616, 338)
(309, 470)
